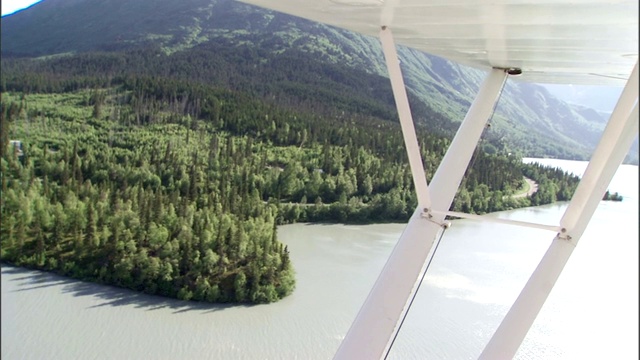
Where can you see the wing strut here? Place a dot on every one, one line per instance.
(377, 322)
(616, 140)
(406, 120)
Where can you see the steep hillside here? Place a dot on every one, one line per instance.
(528, 119)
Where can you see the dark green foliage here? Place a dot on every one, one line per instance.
(612, 196)
(103, 213)
(553, 184)
(292, 62)
(174, 187)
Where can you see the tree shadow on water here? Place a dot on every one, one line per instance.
(33, 279)
(107, 295)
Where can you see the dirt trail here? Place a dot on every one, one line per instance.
(533, 187)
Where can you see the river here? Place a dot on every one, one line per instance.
(476, 274)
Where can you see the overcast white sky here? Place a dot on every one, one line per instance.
(11, 6)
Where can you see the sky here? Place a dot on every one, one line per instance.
(11, 6)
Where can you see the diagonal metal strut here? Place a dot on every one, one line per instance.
(554, 228)
(616, 140)
(377, 322)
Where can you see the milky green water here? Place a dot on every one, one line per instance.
(477, 272)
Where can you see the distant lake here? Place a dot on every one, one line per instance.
(476, 274)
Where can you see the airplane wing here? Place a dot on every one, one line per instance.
(582, 42)
(587, 42)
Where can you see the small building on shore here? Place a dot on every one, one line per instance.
(16, 145)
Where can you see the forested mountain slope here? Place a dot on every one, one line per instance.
(159, 143)
(249, 41)
(175, 188)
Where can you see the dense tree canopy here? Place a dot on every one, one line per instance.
(175, 187)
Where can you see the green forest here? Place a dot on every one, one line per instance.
(174, 187)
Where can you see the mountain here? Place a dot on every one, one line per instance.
(249, 41)
(600, 98)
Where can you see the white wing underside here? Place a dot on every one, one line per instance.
(589, 42)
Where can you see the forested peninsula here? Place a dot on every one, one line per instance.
(175, 187)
